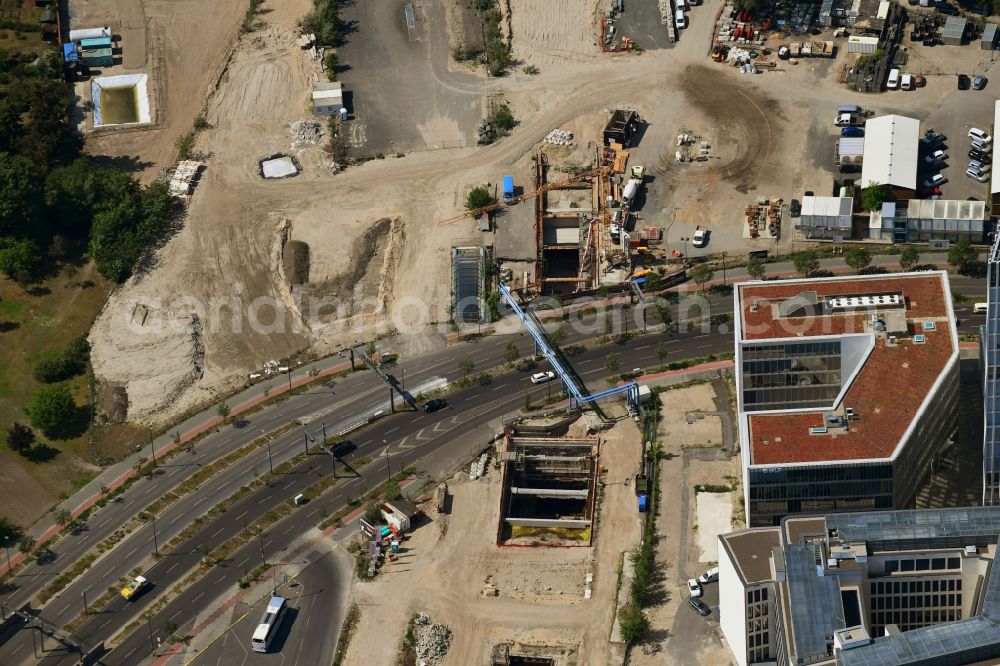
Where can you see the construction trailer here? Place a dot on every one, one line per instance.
(328, 98)
(98, 57)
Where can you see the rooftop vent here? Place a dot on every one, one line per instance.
(918, 339)
(817, 430)
(929, 326)
(864, 301)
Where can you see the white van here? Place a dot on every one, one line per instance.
(893, 81)
(680, 19)
(681, 5)
(906, 82)
(980, 308)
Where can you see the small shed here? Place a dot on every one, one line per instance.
(328, 98)
(95, 43)
(989, 40)
(98, 58)
(954, 31)
(862, 44)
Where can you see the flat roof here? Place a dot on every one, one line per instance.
(891, 151)
(750, 550)
(946, 209)
(995, 180)
(890, 385)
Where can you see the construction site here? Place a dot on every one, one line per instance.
(549, 489)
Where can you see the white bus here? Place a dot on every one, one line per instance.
(268, 626)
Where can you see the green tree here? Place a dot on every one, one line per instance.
(611, 363)
(330, 62)
(909, 258)
(392, 491)
(701, 274)
(748, 5)
(858, 258)
(511, 353)
(756, 268)
(498, 57)
(71, 195)
(961, 253)
(661, 352)
(123, 228)
(479, 197)
(466, 366)
(20, 437)
(52, 410)
(19, 258)
(633, 623)
(26, 543)
(223, 410)
(503, 119)
(373, 515)
(62, 516)
(558, 335)
(872, 196)
(806, 262)
(55, 365)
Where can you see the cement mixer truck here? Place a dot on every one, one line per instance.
(628, 193)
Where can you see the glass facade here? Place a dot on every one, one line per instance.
(990, 359)
(791, 375)
(779, 491)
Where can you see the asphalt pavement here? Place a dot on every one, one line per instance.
(355, 394)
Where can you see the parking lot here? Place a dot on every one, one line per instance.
(402, 97)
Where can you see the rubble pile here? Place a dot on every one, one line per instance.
(306, 133)
(479, 467)
(558, 137)
(486, 132)
(433, 641)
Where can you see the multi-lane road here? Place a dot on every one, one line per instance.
(407, 437)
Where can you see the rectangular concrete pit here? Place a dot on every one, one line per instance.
(549, 490)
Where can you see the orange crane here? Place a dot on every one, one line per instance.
(601, 171)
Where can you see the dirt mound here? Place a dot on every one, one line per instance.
(744, 136)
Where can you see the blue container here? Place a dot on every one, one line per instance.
(394, 545)
(643, 503)
(70, 56)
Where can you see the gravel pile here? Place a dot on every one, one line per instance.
(306, 132)
(433, 641)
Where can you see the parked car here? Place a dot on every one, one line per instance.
(699, 606)
(946, 8)
(435, 404)
(694, 587)
(680, 19)
(928, 192)
(980, 155)
(936, 179)
(932, 137)
(936, 156)
(906, 82)
(976, 164)
(919, 81)
(700, 238)
(963, 82)
(794, 208)
(981, 146)
(893, 81)
(982, 135)
(979, 82)
(851, 131)
(973, 172)
(709, 576)
(542, 377)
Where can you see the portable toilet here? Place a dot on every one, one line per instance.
(70, 55)
(508, 189)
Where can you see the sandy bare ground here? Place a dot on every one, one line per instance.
(224, 266)
(182, 43)
(540, 601)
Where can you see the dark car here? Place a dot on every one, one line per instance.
(341, 449)
(979, 156)
(963, 82)
(794, 208)
(435, 404)
(851, 131)
(946, 8)
(699, 606)
(979, 82)
(933, 138)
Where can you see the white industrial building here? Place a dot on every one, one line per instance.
(328, 98)
(891, 157)
(920, 220)
(826, 217)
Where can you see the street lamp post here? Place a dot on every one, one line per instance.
(86, 609)
(685, 239)
(262, 558)
(156, 545)
(388, 473)
(723, 269)
(267, 438)
(6, 547)
(152, 451)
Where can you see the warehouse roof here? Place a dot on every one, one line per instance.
(891, 151)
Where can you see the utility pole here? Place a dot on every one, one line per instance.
(151, 449)
(267, 437)
(324, 432)
(156, 545)
(392, 401)
(388, 474)
(305, 440)
(289, 373)
(6, 546)
(86, 610)
(723, 269)
(262, 558)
